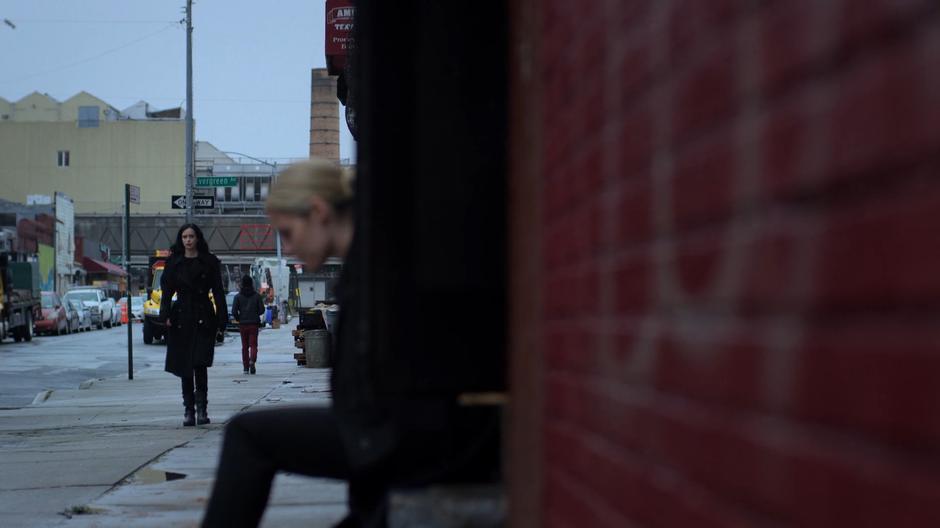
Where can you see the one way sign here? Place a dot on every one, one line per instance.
(178, 201)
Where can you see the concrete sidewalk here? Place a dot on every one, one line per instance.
(115, 454)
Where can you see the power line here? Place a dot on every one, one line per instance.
(177, 100)
(76, 21)
(89, 59)
(209, 99)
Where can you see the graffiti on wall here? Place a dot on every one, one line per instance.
(46, 267)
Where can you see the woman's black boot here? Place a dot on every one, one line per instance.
(202, 414)
(189, 414)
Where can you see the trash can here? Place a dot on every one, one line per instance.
(317, 348)
(332, 317)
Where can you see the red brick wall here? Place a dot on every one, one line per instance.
(739, 268)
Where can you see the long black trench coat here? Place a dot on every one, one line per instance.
(194, 322)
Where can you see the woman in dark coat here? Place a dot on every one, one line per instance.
(192, 322)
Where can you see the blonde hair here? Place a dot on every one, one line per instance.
(314, 177)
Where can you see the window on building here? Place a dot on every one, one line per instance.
(63, 158)
(252, 189)
(244, 187)
(232, 194)
(88, 116)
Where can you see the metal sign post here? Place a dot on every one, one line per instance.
(131, 195)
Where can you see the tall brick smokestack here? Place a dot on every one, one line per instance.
(324, 115)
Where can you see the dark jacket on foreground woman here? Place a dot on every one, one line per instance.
(194, 322)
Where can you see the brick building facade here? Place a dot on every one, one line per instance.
(725, 246)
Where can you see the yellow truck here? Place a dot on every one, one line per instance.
(154, 328)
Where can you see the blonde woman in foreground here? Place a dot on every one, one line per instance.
(311, 206)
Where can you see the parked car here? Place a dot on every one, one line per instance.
(115, 312)
(101, 307)
(72, 317)
(229, 301)
(84, 314)
(137, 307)
(54, 319)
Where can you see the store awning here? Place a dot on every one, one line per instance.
(97, 266)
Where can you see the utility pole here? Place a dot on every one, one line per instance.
(189, 111)
(277, 242)
(277, 234)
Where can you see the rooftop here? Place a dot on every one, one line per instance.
(38, 106)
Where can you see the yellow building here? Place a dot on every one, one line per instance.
(88, 149)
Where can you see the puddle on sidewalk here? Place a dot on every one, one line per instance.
(155, 476)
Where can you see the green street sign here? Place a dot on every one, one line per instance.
(216, 181)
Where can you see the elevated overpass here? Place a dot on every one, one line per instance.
(236, 239)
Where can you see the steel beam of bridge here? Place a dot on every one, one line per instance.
(236, 239)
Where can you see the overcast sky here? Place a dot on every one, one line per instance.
(251, 63)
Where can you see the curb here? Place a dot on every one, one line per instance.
(42, 396)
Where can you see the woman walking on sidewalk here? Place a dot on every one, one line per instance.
(192, 321)
(247, 309)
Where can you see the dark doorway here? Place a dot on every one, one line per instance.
(430, 91)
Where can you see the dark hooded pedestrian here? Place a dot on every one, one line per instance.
(247, 309)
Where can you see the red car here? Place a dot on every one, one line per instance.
(54, 320)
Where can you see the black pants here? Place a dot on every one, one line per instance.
(255, 449)
(201, 377)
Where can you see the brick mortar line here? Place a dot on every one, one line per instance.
(820, 70)
(768, 429)
(820, 197)
(657, 468)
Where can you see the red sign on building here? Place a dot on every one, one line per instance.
(339, 33)
(255, 237)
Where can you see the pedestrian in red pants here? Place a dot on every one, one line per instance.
(247, 309)
(249, 334)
